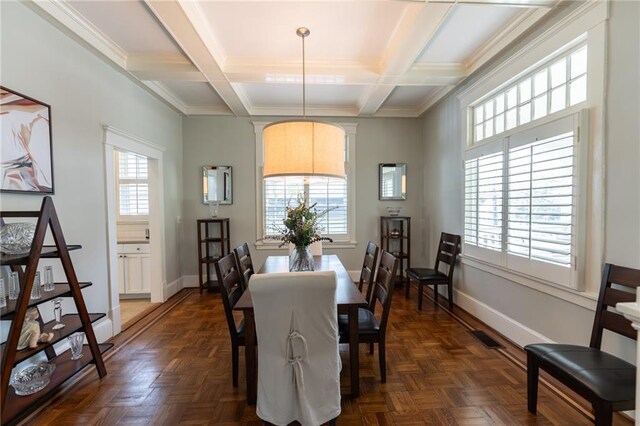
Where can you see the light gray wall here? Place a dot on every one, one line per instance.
(230, 141)
(443, 193)
(85, 92)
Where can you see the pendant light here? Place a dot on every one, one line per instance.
(303, 147)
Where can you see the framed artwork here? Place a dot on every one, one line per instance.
(26, 161)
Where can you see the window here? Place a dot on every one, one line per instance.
(557, 85)
(325, 193)
(132, 185)
(521, 200)
(276, 193)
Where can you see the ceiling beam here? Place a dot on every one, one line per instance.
(178, 19)
(171, 67)
(416, 30)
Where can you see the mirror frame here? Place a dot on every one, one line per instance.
(402, 168)
(228, 183)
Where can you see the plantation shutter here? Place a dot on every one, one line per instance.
(280, 192)
(542, 187)
(483, 197)
(133, 184)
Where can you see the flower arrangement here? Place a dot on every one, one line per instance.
(301, 226)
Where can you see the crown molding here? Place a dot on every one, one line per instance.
(434, 97)
(66, 15)
(161, 90)
(294, 111)
(208, 110)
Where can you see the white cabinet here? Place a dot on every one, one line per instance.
(134, 269)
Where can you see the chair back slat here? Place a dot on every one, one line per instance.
(613, 296)
(245, 264)
(368, 269)
(448, 251)
(384, 284)
(617, 323)
(231, 289)
(621, 277)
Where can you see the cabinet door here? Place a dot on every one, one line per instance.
(133, 270)
(122, 288)
(146, 273)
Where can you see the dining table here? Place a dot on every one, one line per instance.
(348, 300)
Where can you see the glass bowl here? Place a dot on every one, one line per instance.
(394, 211)
(32, 379)
(16, 238)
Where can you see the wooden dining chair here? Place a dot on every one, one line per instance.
(368, 269)
(606, 381)
(370, 329)
(245, 264)
(231, 289)
(448, 250)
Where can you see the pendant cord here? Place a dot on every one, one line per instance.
(304, 100)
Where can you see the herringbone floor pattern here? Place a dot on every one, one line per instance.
(178, 372)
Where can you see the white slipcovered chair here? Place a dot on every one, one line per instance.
(298, 357)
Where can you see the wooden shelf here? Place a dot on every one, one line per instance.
(48, 252)
(61, 290)
(210, 259)
(17, 405)
(72, 324)
(395, 237)
(13, 407)
(213, 238)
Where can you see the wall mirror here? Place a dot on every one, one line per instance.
(393, 181)
(217, 184)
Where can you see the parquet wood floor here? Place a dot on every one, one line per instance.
(174, 368)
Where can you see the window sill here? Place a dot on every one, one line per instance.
(260, 245)
(580, 298)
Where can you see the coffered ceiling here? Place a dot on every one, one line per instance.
(384, 58)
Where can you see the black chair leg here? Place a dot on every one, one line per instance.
(420, 295)
(532, 382)
(450, 290)
(406, 290)
(234, 361)
(603, 413)
(383, 364)
(435, 295)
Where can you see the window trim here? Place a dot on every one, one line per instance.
(350, 165)
(589, 18)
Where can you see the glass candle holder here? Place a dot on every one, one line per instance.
(48, 279)
(3, 294)
(35, 289)
(14, 286)
(57, 313)
(75, 342)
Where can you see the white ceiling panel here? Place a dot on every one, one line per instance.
(290, 95)
(194, 93)
(128, 24)
(342, 30)
(408, 96)
(243, 57)
(467, 29)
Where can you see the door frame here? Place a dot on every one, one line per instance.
(115, 139)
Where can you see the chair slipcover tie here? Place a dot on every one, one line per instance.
(295, 360)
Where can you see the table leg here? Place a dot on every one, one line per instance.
(354, 353)
(250, 356)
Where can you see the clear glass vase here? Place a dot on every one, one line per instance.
(301, 259)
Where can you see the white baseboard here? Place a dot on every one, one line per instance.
(173, 287)
(103, 329)
(355, 276)
(507, 326)
(190, 281)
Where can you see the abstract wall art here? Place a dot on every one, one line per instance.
(26, 162)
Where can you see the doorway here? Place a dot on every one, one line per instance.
(135, 220)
